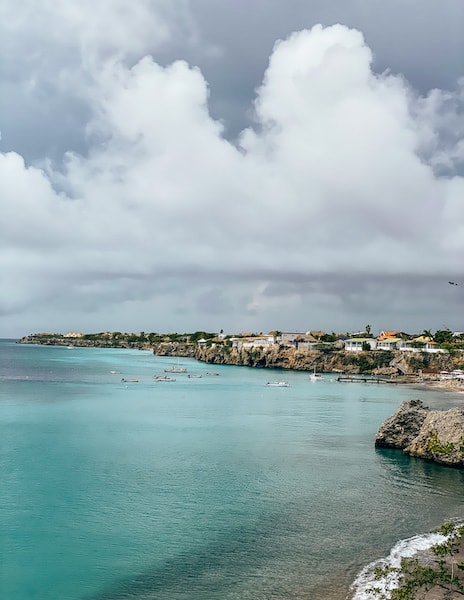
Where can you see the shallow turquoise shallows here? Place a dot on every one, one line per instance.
(214, 487)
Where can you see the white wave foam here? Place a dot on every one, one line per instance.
(408, 548)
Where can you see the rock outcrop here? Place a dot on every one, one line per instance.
(433, 435)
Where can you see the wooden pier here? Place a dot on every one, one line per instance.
(360, 379)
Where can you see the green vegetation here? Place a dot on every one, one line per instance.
(364, 364)
(328, 337)
(414, 576)
(198, 335)
(443, 336)
(436, 447)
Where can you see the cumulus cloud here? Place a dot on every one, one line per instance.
(338, 181)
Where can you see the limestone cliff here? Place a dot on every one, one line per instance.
(330, 360)
(434, 435)
(327, 359)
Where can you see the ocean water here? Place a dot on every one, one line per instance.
(217, 487)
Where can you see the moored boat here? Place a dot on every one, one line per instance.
(163, 378)
(315, 376)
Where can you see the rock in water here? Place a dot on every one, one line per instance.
(434, 435)
(401, 429)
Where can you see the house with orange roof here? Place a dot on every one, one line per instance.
(388, 334)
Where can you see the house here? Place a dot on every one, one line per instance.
(356, 344)
(384, 335)
(388, 343)
(297, 339)
(290, 337)
(421, 343)
(257, 341)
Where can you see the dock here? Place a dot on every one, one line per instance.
(358, 379)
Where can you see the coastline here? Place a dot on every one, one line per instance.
(424, 567)
(453, 385)
(393, 366)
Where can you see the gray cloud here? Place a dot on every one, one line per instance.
(339, 201)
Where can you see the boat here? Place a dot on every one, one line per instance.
(163, 378)
(176, 369)
(315, 376)
(194, 376)
(70, 347)
(114, 372)
(277, 383)
(124, 380)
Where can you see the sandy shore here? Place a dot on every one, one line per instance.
(450, 385)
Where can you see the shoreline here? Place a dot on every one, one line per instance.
(426, 566)
(447, 386)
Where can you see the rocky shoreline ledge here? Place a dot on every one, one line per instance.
(434, 435)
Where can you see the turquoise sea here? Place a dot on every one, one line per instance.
(217, 487)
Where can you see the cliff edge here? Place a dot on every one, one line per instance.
(433, 435)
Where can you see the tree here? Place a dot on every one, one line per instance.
(443, 336)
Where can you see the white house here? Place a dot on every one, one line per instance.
(419, 344)
(392, 343)
(356, 344)
(264, 341)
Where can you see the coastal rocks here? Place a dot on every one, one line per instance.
(184, 349)
(433, 435)
(403, 427)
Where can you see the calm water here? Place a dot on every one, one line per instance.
(211, 488)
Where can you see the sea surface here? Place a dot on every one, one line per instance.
(215, 487)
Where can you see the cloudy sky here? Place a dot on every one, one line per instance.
(183, 165)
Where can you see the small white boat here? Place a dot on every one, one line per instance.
(277, 383)
(194, 376)
(176, 369)
(114, 372)
(163, 378)
(315, 376)
(124, 380)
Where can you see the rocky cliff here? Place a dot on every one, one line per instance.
(331, 360)
(327, 359)
(434, 435)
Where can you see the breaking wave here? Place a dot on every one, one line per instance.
(366, 581)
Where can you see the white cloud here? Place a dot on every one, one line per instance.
(165, 213)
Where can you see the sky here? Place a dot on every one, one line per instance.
(198, 165)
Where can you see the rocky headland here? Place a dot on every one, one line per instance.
(434, 435)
